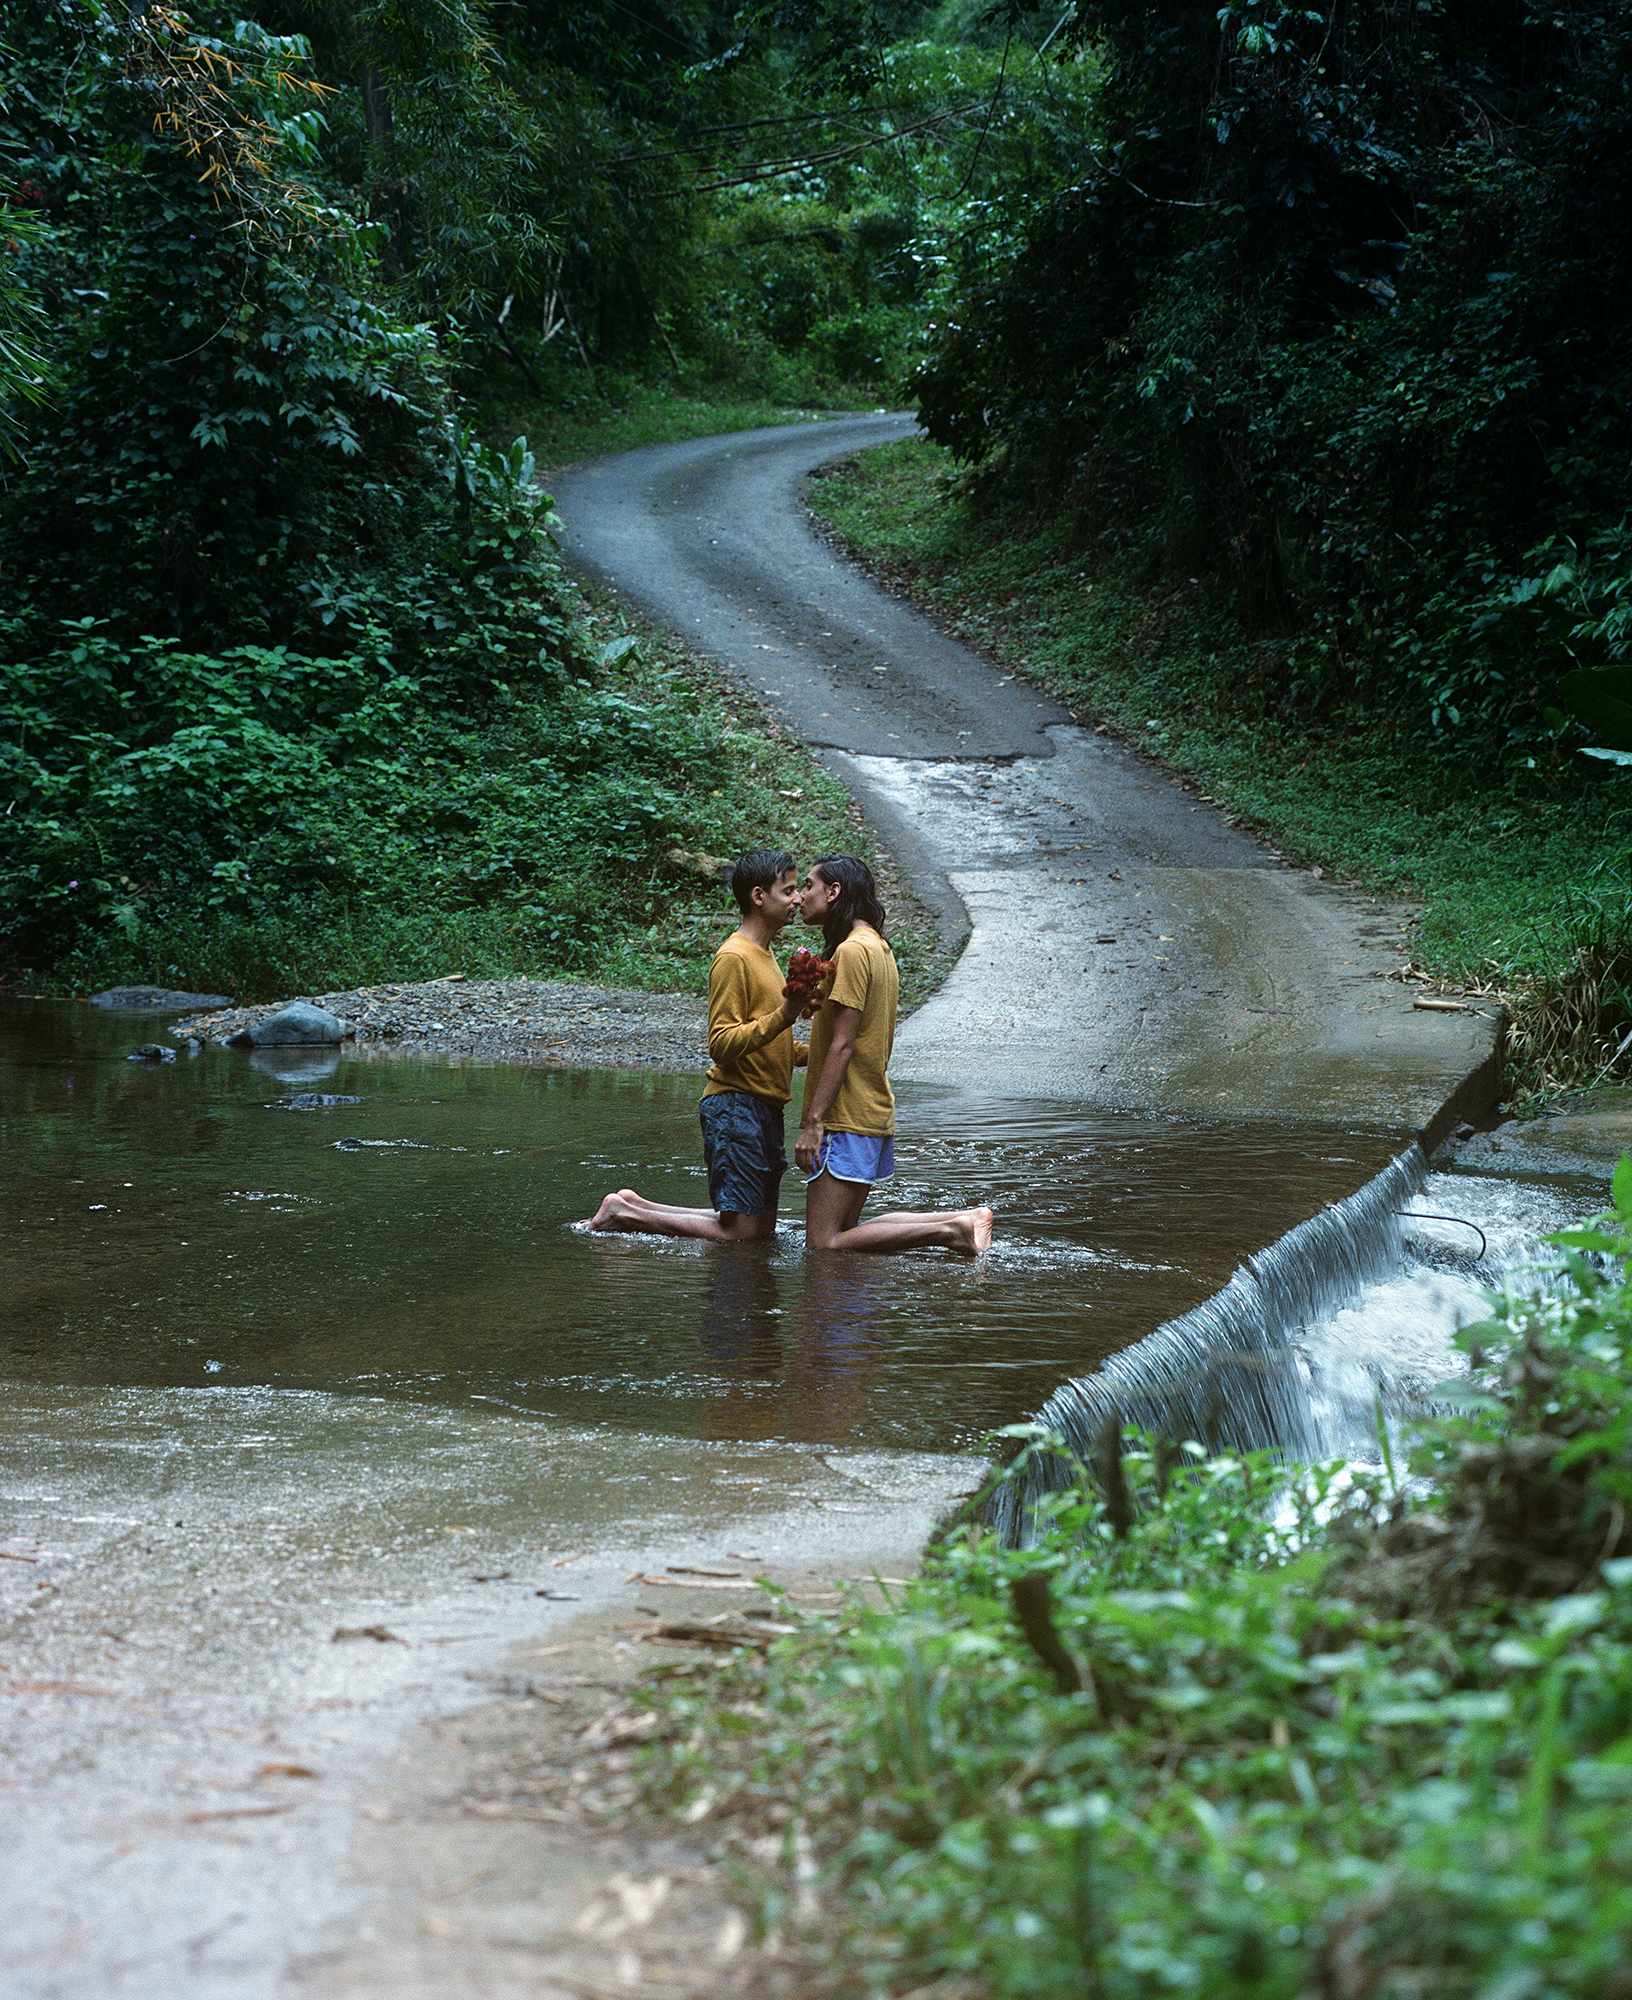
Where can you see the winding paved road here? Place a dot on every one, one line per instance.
(1126, 946)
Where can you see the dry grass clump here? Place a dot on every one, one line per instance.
(1569, 1027)
(1572, 1029)
(1513, 1527)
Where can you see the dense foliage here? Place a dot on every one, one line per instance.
(1257, 1730)
(289, 688)
(781, 213)
(1335, 307)
(1326, 308)
(1525, 887)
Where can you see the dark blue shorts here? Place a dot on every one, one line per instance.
(742, 1148)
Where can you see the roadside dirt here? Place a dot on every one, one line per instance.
(304, 1695)
(504, 1853)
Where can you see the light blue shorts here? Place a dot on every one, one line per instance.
(855, 1156)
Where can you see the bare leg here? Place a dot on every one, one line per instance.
(833, 1222)
(624, 1202)
(634, 1214)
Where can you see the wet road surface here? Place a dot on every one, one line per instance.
(1127, 946)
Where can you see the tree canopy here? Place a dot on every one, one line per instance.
(1336, 305)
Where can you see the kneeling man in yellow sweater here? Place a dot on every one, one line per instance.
(752, 1057)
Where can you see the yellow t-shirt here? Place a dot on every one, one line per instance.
(750, 1045)
(865, 978)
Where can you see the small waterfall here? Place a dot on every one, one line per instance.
(1229, 1372)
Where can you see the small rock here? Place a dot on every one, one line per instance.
(348, 1145)
(310, 1100)
(151, 1052)
(156, 999)
(296, 1026)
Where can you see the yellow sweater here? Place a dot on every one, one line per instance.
(865, 978)
(750, 1046)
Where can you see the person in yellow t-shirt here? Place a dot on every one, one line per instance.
(750, 1077)
(847, 1129)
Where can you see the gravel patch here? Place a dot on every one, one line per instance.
(551, 1023)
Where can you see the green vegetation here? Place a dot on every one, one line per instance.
(775, 225)
(1334, 315)
(400, 832)
(292, 692)
(1229, 1727)
(1284, 352)
(1316, 366)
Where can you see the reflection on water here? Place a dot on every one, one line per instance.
(738, 1329)
(182, 1224)
(294, 1065)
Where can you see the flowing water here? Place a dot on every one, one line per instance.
(193, 1224)
(1329, 1335)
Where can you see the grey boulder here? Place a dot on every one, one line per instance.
(297, 1026)
(151, 1052)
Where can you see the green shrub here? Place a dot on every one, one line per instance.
(1301, 1731)
(161, 792)
(1302, 321)
(286, 672)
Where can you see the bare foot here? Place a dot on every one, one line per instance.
(616, 1212)
(979, 1224)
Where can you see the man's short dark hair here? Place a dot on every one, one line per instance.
(759, 870)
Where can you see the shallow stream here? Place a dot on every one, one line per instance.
(187, 1225)
(193, 1224)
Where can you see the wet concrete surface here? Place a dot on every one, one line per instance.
(241, 1629)
(1127, 946)
(1587, 1134)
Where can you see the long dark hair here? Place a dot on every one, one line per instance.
(858, 898)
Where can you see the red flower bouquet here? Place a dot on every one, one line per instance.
(806, 971)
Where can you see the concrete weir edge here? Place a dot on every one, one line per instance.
(1474, 1101)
